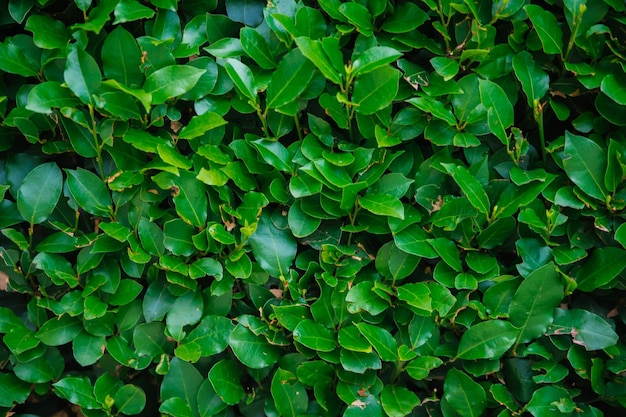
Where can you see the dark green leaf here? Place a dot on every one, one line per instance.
(39, 193)
(314, 336)
(252, 350)
(289, 395)
(89, 191)
(601, 268)
(77, 390)
(273, 248)
(398, 401)
(289, 80)
(585, 164)
(532, 306)
(224, 377)
(489, 339)
(547, 28)
(463, 394)
(376, 89)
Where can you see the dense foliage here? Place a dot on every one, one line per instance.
(332, 208)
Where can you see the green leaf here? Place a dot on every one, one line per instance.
(445, 67)
(487, 340)
(374, 58)
(406, 18)
(13, 60)
(121, 58)
(585, 164)
(77, 390)
(437, 108)
(47, 32)
(499, 108)
(532, 307)
(614, 86)
(12, 390)
(290, 397)
(176, 407)
(470, 186)
(274, 249)
(535, 81)
(289, 80)
(314, 336)
(199, 125)
(82, 74)
(130, 399)
(300, 223)
(602, 267)
(359, 16)
(89, 191)
(448, 251)
(252, 350)
(190, 199)
(381, 340)
(362, 297)
(547, 28)
(131, 10)
(257, 48)
(59, 330)
(242, 77)
(182, 381)
(39, 193)
(546, 400)
(210, 336)
(419, 368)
(382, 205)
(376, 89)
(50, 94)
(224, 377)
(171, 81)
(464, 395)
(87, 348)
(398, 401)
(314, 51)
(248, 12)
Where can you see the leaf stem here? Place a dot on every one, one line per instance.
(538, 115)
(94, 133)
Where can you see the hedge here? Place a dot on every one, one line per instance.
(299, 208)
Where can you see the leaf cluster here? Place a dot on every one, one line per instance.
(332, 208)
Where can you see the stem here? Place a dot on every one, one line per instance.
(263, 117)
(94, 133)
(298, 128)
(538, 115)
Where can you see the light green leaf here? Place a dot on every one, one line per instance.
(470, 186)
(383, 205)
(171, 81)
(47, 32)
(374, 58)
(586, 328)
(242, 77)
(314, 51)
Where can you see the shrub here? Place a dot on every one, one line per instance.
(357, 208)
